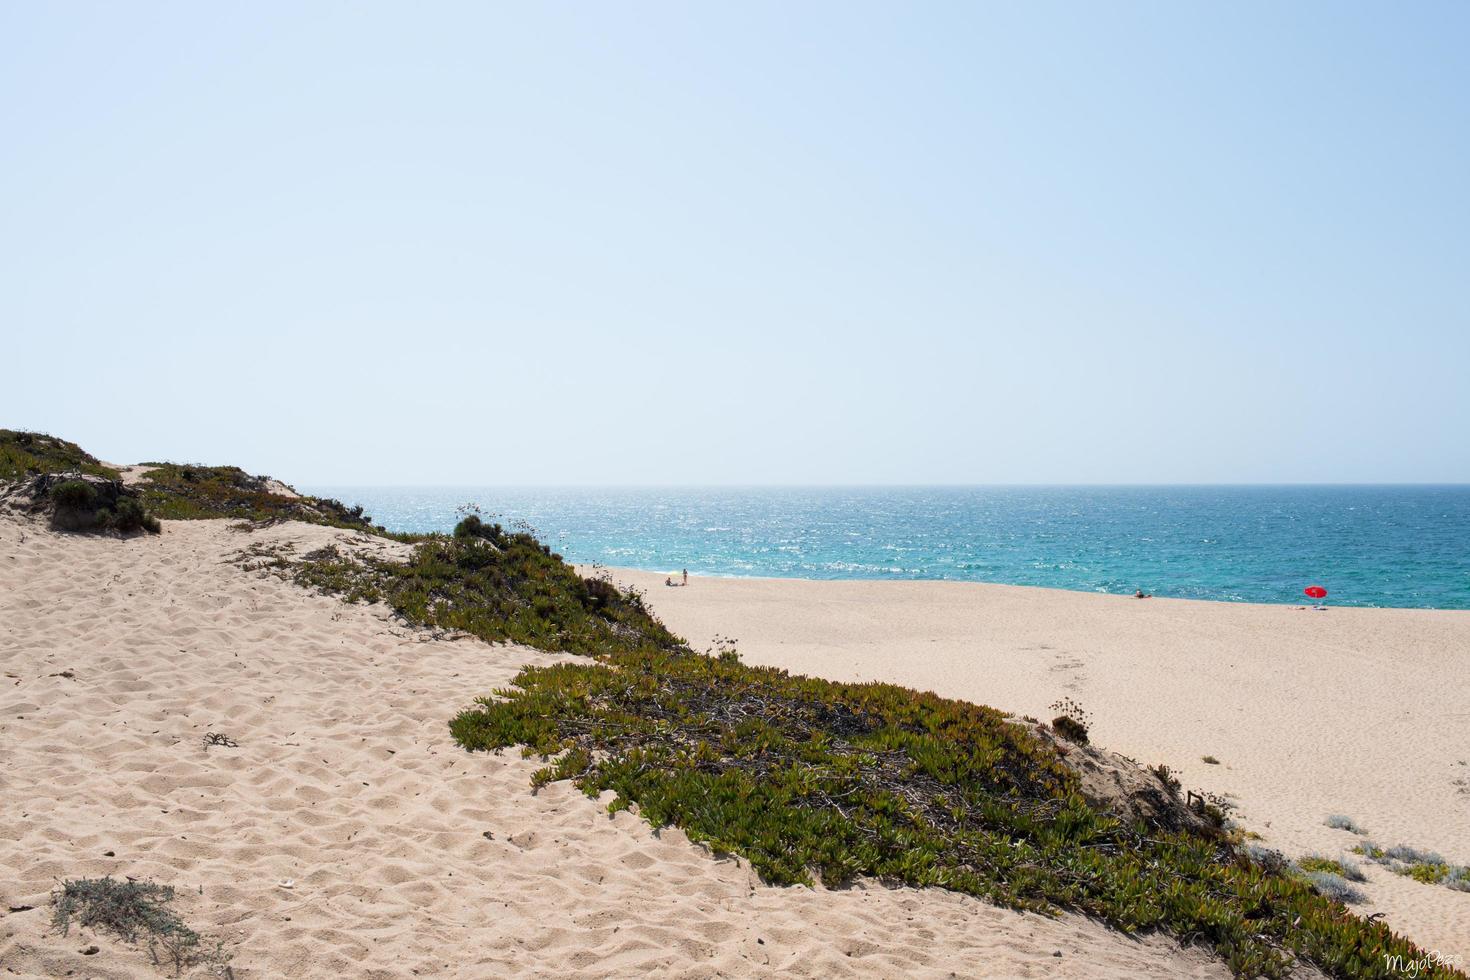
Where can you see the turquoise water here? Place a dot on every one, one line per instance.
(1369, 546)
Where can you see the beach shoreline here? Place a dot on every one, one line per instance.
(1303, 602)
(1370, 546)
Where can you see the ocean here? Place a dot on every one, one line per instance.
(1405, 546)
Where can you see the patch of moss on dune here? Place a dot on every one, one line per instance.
(27, 454)
(179, 491)
(498, 585)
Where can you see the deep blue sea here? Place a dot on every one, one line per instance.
(1368, 545)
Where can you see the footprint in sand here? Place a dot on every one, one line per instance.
(1068, 663)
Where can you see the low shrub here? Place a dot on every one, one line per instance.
(1167, 777)
(1268, 858)
(129, 516)
(1070, 729)
(188, 492)
(1342, 868)
(1428, 872)
(1413, 855)
(1338, 821)
(75, 494)
(1334, 887)
(494, 584)
(473, 527)
(80, 505)
(1421, 865)
(1072, 722)
(133, 911)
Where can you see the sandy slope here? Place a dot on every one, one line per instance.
(408, 856)
(1364, 712)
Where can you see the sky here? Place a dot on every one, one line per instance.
(754, 243)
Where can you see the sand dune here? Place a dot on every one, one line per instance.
(404, 856)
(1363, 712)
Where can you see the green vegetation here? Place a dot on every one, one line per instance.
(1338, 821)
(1423, 866)
(132, 910)
(176, 491)
(1430, 874)
(28, 454)
(74, 494)
(494, 584)
(1072, 723)
(78, 506)
(1335, 887)
(1343, 869)
(809, 779)
(80, 492)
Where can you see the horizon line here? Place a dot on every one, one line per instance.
(872, 486)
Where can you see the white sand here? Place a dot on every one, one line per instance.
(1363, 712)
(346, 783)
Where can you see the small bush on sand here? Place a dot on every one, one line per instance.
(134, 911)
(1413, 855)
(129, 516)
(1167, 777)
(75, 494)
(1338, 821)
(1269, 859)
(1334, 887)
(495, 584)
(1421, 865)
(79, 505)
(473, 527)
(1072, 722)
(1426, 871)
(1342, 868)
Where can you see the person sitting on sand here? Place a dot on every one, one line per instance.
(1140, 594)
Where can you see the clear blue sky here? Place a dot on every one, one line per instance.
(742, 243)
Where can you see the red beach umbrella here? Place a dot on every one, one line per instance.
(1315, 591)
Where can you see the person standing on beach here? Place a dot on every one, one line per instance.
(686, 576)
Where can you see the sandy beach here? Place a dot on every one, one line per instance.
(346, 835)
(1358, 712)
(403, 345)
